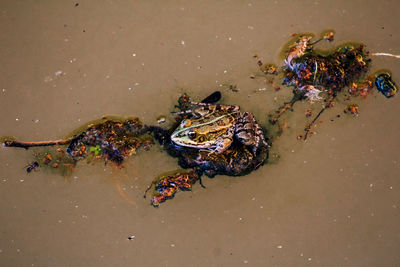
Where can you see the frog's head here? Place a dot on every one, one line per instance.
(189, 134)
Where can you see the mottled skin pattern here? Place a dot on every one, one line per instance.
(237, 160)
(214, 128)
(243, 155)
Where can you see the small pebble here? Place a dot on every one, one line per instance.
(58, 73)
(161, 119)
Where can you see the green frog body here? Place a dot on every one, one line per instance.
(213, 128)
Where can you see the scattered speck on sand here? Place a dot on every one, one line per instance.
(58, 73)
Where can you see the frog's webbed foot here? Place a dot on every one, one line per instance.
(167, 184)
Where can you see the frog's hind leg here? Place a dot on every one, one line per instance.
(249, 133)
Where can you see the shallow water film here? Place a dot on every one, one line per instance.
(332, 200)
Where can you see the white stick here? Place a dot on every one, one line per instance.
(385, 54)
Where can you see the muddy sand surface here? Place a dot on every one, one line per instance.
(331, 201)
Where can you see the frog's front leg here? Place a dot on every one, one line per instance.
(249, 133)
(223, 142)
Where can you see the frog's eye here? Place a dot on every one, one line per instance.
(192, 135)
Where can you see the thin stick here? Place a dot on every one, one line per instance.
(385, 54)
(287, 105)
(324, 107)
(27, 145)
(317, 41)
(148, 188)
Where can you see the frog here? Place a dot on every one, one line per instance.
(213, 128)
(208, 139)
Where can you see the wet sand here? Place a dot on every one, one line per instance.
(331, 201)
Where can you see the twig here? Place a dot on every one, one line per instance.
(27, 145)
(148, 188)
(287, 105)
(324, 107)
(385, 54)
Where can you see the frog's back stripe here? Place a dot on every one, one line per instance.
(202, 124)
